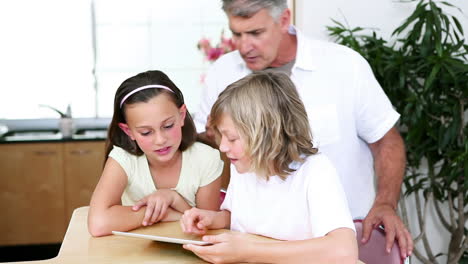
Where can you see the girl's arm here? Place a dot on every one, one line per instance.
(338, 246)
(179, 203)
(208, 196)
(106, 212)
(168, 197)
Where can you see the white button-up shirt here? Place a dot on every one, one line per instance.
(346, 106)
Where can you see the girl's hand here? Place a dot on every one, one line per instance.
(226, 248)
(197, 221)
(156, 205)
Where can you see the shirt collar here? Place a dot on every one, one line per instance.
(304, 57)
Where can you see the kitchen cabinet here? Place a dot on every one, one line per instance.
(41, 184)
(83, 164)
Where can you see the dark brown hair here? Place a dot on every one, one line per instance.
(117, 137)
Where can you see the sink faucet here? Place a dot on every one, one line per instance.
(62, 114)
(66, 125)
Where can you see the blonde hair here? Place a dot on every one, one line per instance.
(269, 114)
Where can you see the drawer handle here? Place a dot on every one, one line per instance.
(45, 152)
(80, 152)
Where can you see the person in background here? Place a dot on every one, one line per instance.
(281, 186)
(353, 120)
(155, 170)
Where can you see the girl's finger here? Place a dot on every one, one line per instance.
(139, 204)
(203, 222)
(182, 225)
(196, 251)
(196, 225)
(148, 213)
(198, 231)
(214, 239)
(190, 222)
(156, 213)
(203, 250)
(162, 214)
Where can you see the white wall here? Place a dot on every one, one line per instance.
(313, 16)
(46, 54)
(135, 36)
(45, 57)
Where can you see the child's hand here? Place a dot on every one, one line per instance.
(197, 221)
(156, 205)
(226, 248)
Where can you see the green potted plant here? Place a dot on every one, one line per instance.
(424, 71)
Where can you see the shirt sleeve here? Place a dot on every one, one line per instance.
(123, 158)
(328, 207)
(224, 71)
(375, 113)
(208, 98)
(212, 165)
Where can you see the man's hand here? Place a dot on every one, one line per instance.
(389, 164)
(384, 214)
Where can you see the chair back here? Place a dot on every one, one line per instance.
(373, 252)
(222, 195)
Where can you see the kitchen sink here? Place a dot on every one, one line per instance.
(39, 136)
(30, 135)
(47, 129)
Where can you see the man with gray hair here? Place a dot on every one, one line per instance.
(351, 118)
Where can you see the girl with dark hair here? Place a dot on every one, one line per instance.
(155, 170)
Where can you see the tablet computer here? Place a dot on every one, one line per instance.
(162, 238)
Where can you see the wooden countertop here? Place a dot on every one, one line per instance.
(80, 247)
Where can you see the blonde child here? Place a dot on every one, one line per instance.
(155, 170)
(280, 188)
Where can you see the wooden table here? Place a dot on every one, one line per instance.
(80, 247)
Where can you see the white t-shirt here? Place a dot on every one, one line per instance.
(309, 203)
(346, 106)
(201, 165)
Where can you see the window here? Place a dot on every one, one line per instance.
(48, 53)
